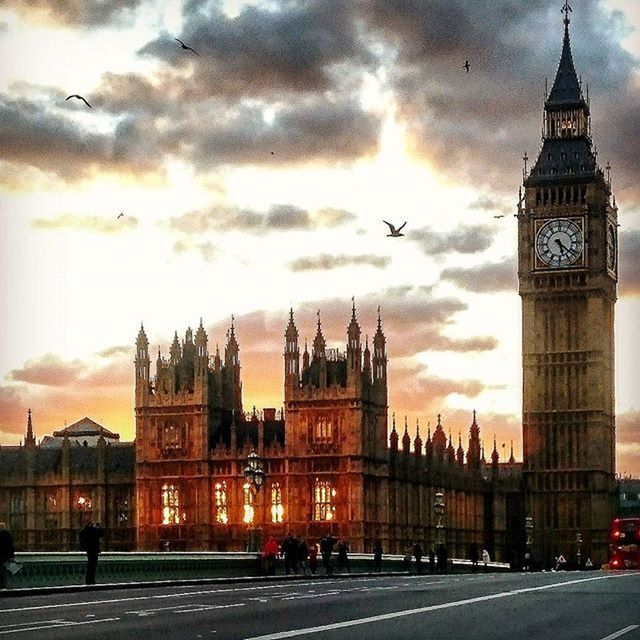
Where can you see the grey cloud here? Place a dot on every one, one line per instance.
(87, 13)
(262, 50)
(476, 125)
(280, 217)
(326, 262)
(30, 134)
(487, 203)
(630, 263)
(461, 240)
(485, 278)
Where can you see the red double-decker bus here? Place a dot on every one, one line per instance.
(624, 543)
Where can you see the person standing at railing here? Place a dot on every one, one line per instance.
(6, 553)
(90, 542)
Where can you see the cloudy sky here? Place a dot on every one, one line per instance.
(254, 177)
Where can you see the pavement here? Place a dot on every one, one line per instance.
(566, 605)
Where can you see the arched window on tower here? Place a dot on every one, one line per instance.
(323, 433)
(171, 505)
(248, 509)
(220, 502)
(277, 509)
(323, 500)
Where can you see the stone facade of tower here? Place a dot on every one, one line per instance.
(567, 246)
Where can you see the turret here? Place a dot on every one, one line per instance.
(495, 458)
(202, 354)
(460, 451)
(366, 367)
(428, 447)
(305, 358)
(233, 385)
(473, 452)
(380, 357)
(142, 365)
(417, 443)
(175, 352)
(291, 356)
(451, 452)
(406, 440)
(319, 355)
(29, 438)
(354, 350)
(439, 441)
(393, 438)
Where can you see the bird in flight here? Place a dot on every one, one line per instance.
(466, 65)
(395, 233)
(185, 47)
(75, 95)
(500, 216)
(120, 215)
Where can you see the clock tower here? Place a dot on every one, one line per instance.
(567, 269)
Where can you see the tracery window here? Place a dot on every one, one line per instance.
(171, 504)
(323, 500)
(323, 431)
(220, 502)
(248, 506)
(277, 510)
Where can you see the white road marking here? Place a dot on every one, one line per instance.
(409, 612)
(313, 595)
(24, 624)
(60, 625)
(617, 634)
(209, 607)
(156, 597)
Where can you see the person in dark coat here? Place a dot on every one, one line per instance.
(289, 549)
(326, 549)
(432, 561)
(343, 558)
(303, 555)
(418, 553)
(90, 542)
(313, 558)
(474, 556)
(6, 553)
(441, 553)
(377, 557)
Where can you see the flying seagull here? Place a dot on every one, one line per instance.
(395, 233)
(184, 46)
(466, 65)
(75, 95)
(501, 216)
(120, 215)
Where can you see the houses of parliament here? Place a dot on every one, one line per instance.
(334, 460)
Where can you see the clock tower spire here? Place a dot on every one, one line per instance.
(567, 266)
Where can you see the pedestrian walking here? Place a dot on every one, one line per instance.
(326, 549)
(289, 549)
(418, 553)
(377, 557)
(90, 542)
(474, 556)
(441, 554)
(270, 556)
(343, 558)
(486, 559)
(313, 558)
(7, 553)
(408, 554)
(432, 561)
(303, 555)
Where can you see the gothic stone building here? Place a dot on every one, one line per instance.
(329, 461)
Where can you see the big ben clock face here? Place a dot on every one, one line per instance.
(560, 243)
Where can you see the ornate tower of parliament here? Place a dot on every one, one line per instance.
(567, 269)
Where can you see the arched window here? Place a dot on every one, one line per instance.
(171, 504)
(323, 500)
(248, 507)
(324, 431)
(277, 510)
(220, 501)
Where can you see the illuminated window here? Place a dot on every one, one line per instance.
(323, 498)
(83, 502)
(248, 508)
(324, 431)
(171, 504)
(277, 510)
(220, 499)
(171, 436)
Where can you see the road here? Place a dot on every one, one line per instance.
(562, 606)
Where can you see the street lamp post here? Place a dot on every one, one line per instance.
(438, 508)
(528, 525)
(254, 476)
(579, 552)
